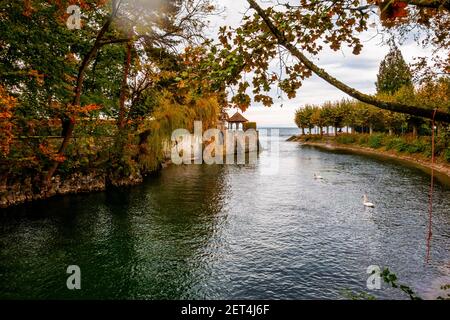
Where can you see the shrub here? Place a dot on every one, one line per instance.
(422, 145)
(363, 139)
(375, 141)
(346, 139)
(446, 154)
(402, 146)
(393, 143)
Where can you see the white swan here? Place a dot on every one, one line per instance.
(367, 203)
(317, 176)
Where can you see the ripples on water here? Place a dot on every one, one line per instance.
(231, 232)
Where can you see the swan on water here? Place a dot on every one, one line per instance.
(366, 202)
(317, 176)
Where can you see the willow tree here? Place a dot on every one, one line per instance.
(303, 29)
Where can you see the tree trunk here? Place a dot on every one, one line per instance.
(372, 100)
(68, 124)
(371, 129)
(123, 90)
(391, 131)
(414, 130)
(321, 131)
(335, 131)
(303, 131)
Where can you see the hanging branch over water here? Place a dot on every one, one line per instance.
(372, 100)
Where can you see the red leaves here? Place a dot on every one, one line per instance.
(399, 9)
(392, 11)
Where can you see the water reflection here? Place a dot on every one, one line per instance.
(231, 231)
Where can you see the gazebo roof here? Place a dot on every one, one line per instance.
(237, 117)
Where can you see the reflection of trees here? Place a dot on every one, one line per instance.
(146, 241)
(44, 237)
(176, 223)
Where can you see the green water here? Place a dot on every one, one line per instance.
(225, 232)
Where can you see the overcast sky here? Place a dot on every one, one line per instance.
(357, 71)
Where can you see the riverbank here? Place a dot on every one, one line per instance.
(30, 189)
(419, 161)
(18, 190)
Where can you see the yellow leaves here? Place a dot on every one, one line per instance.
(435, 94)
(181, 84)
(69, 78)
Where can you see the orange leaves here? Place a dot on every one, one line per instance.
(50, 153)
(89, 108)
(74, 111)
(7, 103)
(83, 4)
(39, 77)
(28, 9)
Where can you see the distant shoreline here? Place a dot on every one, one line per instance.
(420, 162)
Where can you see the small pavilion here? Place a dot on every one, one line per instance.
(238, 120)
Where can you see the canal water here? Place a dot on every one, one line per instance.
(235, 232)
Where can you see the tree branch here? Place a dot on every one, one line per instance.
(391, 106)
(432, 4)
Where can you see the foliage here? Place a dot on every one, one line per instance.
(402, 144)
(284, 30)
(249, 125)
(7, 105)
(78, 86)
(375, 141)
(390, 279)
